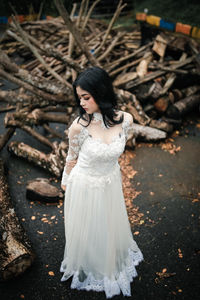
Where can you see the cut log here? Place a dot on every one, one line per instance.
(38, 92)
(142, 68)
(36, 117)
(5, 138)
(162, 125)
(168, 84)
(183, 106)
(133, 105)
(154, 91)
(41, 189)
(124, 78)
(179, 43)
(160, 44)
(176, 94)
(147, 133)
(114, 64)
(39, 57)
(158, 73)
(161, 104)
(53, 162)
(16, 254)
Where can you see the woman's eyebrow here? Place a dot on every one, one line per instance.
(83, 95)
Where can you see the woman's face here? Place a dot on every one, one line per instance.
(87, 101)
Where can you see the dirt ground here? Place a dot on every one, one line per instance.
(168, 235)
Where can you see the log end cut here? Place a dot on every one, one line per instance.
(41, 189)
(17, 267)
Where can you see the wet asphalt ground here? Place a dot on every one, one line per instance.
(169, 237)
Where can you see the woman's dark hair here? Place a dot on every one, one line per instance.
(97, 82)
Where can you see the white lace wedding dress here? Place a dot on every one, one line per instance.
(100, 252)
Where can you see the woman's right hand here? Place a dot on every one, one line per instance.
(63, 187)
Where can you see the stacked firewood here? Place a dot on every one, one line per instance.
(56, 50)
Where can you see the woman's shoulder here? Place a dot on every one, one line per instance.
(77, 125)
(127, 116)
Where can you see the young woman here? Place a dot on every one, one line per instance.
(100, 252)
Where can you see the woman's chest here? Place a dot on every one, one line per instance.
(96, 149)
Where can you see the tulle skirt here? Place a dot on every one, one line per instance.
(100, 252)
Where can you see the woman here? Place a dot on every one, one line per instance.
(100, 252)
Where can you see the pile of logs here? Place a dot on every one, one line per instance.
(145, 77)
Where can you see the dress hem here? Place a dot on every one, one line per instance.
(111, 287)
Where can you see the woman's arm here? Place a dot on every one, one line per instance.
(128, 125)
(73, 151)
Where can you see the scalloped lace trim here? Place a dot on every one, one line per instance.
(111, 287)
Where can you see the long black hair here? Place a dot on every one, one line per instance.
(97, 82)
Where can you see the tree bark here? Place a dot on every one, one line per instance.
(147, 133)
(16, 254)
(133, 105)
(5, 138)
(53, 162)
(27, 86)
(183, 106)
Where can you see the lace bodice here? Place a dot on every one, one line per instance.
(94, 150)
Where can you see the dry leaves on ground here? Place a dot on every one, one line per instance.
(129, 192)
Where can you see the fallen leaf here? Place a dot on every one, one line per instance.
(44, 219)
(51, 273)
(180, 253)
(136, 233)
(195, 200)
(33, 217)
(162, 275)
(40, 232)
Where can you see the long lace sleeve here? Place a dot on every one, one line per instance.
(73, 150)
(128, 125)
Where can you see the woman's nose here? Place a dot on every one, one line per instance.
(81, 101)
